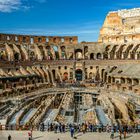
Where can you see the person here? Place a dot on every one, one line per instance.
(63, 128)
(30, 135)
(120, 134)
(83, 128)
(112, 134)
(9, 137)
(72, 131)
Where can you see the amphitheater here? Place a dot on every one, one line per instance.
(58, 79)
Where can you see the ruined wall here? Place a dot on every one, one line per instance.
(29, 39)
(121, 26)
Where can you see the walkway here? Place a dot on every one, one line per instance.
(23, 135)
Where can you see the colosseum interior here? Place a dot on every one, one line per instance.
(57, 78)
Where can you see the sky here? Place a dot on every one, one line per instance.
(82, 18)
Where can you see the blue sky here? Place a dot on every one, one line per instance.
(82, 18)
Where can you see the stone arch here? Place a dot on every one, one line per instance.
(109, 79)
(112, 52)
(127, 52)
(135, 81)
(54, 74)
(65, 76)
(86, 52)
(105, 55)
(99, 56)
(129, 81)
(133, 51)
(78, 54)
(2, 55)
(32, 55)
(16, 56)
(55, 48)
(119, 53)
(63, 52)
(49, 53)
(90, 75)
(102, 74)
(91, 56)
(79, 75)
(42, 51)
(122, 80)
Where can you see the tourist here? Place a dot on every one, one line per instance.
(120, 133)
(125, 130)
(112, 134)
(9, 137)
(63, 128)
(72, 131)
(60, 128)
(55, 128)
(83, 128)
(30, 135)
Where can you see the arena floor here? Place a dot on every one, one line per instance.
(23, 135)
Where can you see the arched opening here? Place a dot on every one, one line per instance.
(86, 52)
(105, 55)
(16, 56)
(122, 80)
(129, 81)
(65, 76)
(91, 56)
(2, 55)
(49, 54)
(53, 73)
(136, 81)
(32, 55)
(78, 54)
(105, 77)
(78, 75)
(99, 56)
(42, 51)
(102, 74)
(56, 52)
(63, 52)
(109, 79)
(138, 55)
(112, 51)
(90, 75)
(120, 51)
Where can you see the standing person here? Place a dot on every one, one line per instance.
(29, 136)
(72, 131)
(120, 134)
(112, 134)
(125, 128)
(83, 128)
(63, 128)
(9, 137)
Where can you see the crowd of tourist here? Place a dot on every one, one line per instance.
(122, 130)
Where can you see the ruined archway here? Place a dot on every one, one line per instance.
(78, 75)
(98, 56)
(91, 56)
(78, 54)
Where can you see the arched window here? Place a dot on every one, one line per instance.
(99, 56)
(63, 52)
(90, 75)
(56, 52)
(78, 54)
(92, 56)
(65, 76)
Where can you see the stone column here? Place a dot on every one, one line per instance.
(83, 71)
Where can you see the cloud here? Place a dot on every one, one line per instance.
(9, 5)
(12, 5)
